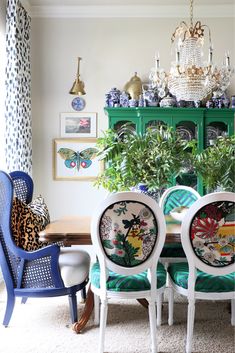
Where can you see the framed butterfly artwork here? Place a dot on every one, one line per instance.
(76, 159)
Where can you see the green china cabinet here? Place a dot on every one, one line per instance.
(201, 124)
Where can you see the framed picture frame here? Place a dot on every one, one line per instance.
(75, 159)
(78, 124)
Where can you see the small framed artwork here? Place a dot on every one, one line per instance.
(76, 159)
(78, 124)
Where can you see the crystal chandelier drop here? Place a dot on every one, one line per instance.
(191, 79)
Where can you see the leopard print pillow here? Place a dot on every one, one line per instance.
(27, 220)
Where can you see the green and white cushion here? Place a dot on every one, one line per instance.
(178, 198)
(121, 283)
(204, 282)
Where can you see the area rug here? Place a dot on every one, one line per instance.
(43, 326)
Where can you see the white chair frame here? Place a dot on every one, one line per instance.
(150, 264)
(195, 263)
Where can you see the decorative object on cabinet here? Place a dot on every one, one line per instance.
(152, 158)
(78, 103)
(112, 98)
(150, 95)
(189, 78)
(124, 99)
(158, 78)
(185, 133)
(212, 133)
(78, 85)
(78, 124)
(134, 87)
(197, 120)
(168, 101)
(233, 102)
(216, 164)
(76, 159)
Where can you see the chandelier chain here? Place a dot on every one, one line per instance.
(191, 13)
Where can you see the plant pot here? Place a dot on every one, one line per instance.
(156, 194)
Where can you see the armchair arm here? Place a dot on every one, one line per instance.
(50, 250)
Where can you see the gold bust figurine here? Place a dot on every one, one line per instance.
(134, 87)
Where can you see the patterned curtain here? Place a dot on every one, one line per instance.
(18, 89)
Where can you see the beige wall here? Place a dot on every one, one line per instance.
(112, 50)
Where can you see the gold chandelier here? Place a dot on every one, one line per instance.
(190, 78)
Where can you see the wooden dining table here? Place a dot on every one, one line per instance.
(75, 230)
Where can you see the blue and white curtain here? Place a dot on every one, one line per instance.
(18, 89)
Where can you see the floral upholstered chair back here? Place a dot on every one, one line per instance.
(129, 229)
(211, 231)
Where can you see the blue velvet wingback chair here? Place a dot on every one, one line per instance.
(47, 272)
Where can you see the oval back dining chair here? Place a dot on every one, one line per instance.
(173, 198)
(47, 272)
(128, 232)
(23, 186)
(208, 238)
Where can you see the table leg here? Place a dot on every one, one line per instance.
(89, 305)
(143, 302)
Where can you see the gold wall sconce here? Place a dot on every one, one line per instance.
(78, 85)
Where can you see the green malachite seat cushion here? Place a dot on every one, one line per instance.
(204, 282)
(120, 283)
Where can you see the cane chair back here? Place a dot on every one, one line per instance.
(23, 186)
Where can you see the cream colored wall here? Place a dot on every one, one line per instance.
(112, 50)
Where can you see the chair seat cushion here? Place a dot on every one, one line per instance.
(204, 282)
(121, 283)
(74, 266)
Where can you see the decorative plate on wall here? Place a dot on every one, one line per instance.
(78, 103)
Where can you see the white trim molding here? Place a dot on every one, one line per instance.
(125, 11)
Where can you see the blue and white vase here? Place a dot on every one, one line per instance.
(156, 194)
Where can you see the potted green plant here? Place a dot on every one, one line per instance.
(151, 159)
(216, 164)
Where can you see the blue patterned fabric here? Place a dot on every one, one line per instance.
(121, 283)
(18, 132)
